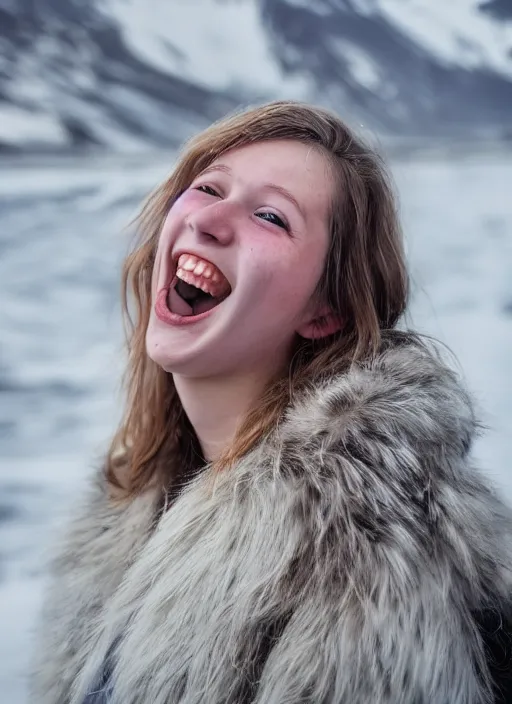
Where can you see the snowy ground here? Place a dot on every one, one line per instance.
(61, 242)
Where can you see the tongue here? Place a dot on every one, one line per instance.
(204, 304)
(176, 303)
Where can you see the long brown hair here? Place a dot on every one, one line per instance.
(364, 282)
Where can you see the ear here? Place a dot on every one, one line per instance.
(323, 323)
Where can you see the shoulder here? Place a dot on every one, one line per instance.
(403, 421)
(407, 394)
(384, 451)
(392, 438)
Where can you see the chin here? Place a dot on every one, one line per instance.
(158, 348)
(167, 355)
(162, 351)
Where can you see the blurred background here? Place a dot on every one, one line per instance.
(95, 98)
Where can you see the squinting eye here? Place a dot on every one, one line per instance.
(273, 218)
(207, 189)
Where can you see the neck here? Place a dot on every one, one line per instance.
(217, 406)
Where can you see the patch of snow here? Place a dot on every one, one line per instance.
(363, 68)
(457, 218)
(219, 45)
(457, 32)
(17, 126)
(319, 7)
(363, 7)
(171, 124)
(41, 489)
(20, 603)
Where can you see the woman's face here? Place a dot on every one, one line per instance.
(259, 215)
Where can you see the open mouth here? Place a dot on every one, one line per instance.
(197, 287)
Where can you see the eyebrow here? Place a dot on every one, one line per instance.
(266, 186)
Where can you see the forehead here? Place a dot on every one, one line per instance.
(300, 168)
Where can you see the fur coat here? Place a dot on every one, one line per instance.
(354, 557)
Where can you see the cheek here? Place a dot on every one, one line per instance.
(302, 272)
(176, 218)
(177, 213)
(189, 200)
(173, 221)
(284, 280)
(173, 216)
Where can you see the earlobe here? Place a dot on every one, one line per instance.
(324, 323)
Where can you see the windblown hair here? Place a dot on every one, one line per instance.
(364, 282)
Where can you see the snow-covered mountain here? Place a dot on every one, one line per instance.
(132, 74)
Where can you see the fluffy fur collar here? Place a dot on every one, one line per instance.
(342, 561)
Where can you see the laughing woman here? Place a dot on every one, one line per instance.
(289, 511)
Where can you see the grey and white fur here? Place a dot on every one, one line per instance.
(342, 561)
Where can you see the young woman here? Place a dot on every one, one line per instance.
(289, 511)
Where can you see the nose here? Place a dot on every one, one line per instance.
(215, 221)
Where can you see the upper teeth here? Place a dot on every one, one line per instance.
(199, 267)
(202, 274)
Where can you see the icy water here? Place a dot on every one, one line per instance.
(61, 243)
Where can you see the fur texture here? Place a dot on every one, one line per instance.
(341, 562)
